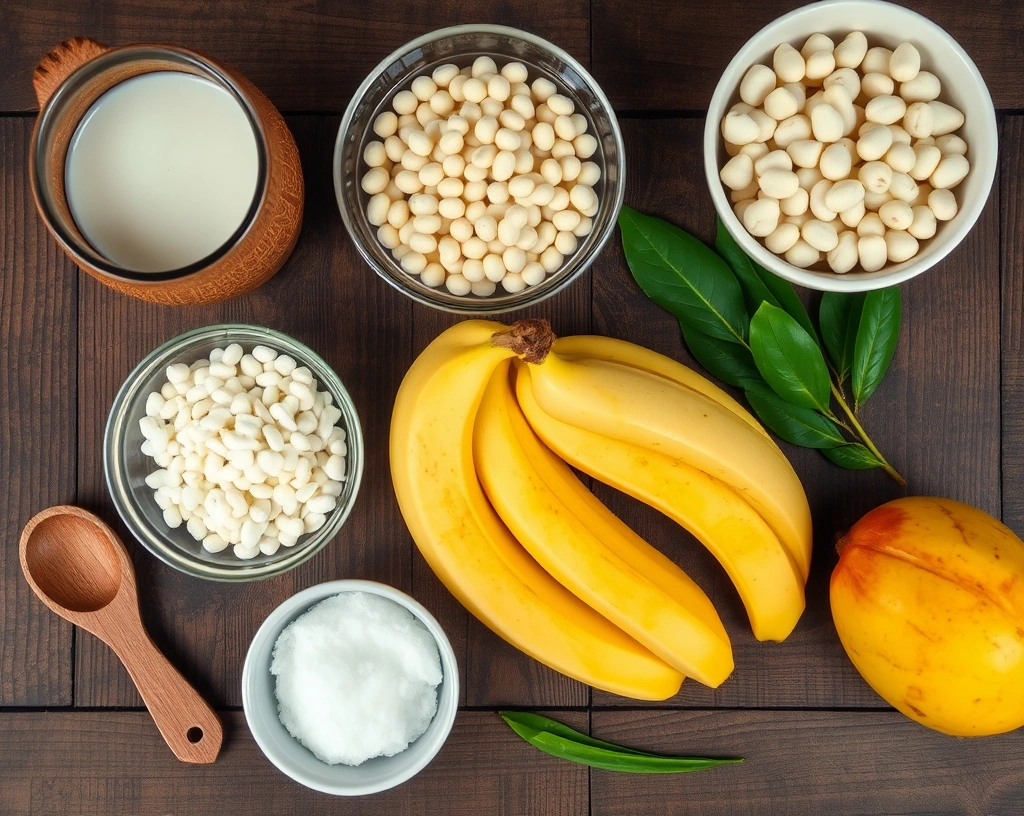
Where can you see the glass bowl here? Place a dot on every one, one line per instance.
(461, 45)
(126, 467)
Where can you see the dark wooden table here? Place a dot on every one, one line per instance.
(74, 738)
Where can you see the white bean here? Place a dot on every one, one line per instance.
(788, 63)
(851, 51)
(876, 176)
(885, 109)
(950, 171)
(903, 187)
(900, 246)
(820, 235)
(787, 131)
(781, 104)
(872, 252)
(835, 162)
(762, 217)
(843, 195)
(943, 203)
(843, 256)
(946, 118)
(779, 184)
(926, 160)
(870, 224)
(796, 204)
(757, 83)
(846, 78)
(804, 153)
(802, 254)
(874, 143)
(896, 215)
(951, 143)
(876, 84)
(905, 63)
(901, 157)
(817, 200)
(922, 88)
(853, 216)
(782, 238)
(924, 225)
(817, 42)
(827, 123)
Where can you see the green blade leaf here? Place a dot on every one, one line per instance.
(839, 318)
(561, 741)
(789, 359)
(877, 334)
(794, 423)
(730, 362)
(759, 285)
(853, 457)
(538, 723)
(685, 277)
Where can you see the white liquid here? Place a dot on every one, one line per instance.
(161, 171)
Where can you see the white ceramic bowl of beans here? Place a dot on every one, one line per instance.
(461, 45)
(126, 467)
(886, 25)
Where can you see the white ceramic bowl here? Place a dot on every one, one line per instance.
(294, 759)
(888, 25)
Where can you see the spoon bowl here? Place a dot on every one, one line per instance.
(72, 565)
(80, 569)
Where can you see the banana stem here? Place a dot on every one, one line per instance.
(859, 430)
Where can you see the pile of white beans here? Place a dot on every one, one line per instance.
(247, 450)
(843, 151)
(481, 179)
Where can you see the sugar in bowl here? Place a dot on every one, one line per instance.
(162, 173)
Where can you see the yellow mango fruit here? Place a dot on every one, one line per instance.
(928, 600)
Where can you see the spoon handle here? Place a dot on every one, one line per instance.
(190, 727)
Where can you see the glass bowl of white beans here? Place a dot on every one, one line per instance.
(190, 544)
(891, 56)
(598, 151)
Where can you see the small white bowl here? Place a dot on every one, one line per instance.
(888, 25)
(294, 759)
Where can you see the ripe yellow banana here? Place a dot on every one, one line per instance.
(587, 548)
(768, 579)
(468, 546)
(659, 415)
(622, 351)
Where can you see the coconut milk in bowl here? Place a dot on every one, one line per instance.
(162, 173)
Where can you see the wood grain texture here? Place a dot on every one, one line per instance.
(669, 55)
(1012, 245)
(809, 763)
(61, 763)
(328, 47)
(38, 356)
(326, 298)
(493, 673)
(946, 370)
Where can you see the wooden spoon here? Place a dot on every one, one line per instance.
(80, 569)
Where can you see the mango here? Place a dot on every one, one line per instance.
(928, 601)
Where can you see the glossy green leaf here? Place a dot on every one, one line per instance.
(877, 334)
(682, 275)
(794, 423)
(730, 362)
(758, 284)
(559, 740)
(839, 319)
(789, 359)
(853, 457)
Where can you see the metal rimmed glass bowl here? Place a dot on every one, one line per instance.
(126, 467)
(461, 45)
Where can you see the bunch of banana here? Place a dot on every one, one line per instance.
(527, 549)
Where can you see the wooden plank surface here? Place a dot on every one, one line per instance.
(809, 764)
(63, 764)
(669, 55)
(946, 368)
(326, 298)
(328, 47)
(38, 357)
(1012, 192)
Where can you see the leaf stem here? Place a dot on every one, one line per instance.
(859, 430)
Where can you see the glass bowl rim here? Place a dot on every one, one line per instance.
(115, 469)
(529, 296)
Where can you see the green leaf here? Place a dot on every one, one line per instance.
(794, 423)
(853, 457)
(685, 277)
(561, 741)
(839, 318)
(877, 333)
(789, 359)
(759, 285)
(730, 362)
